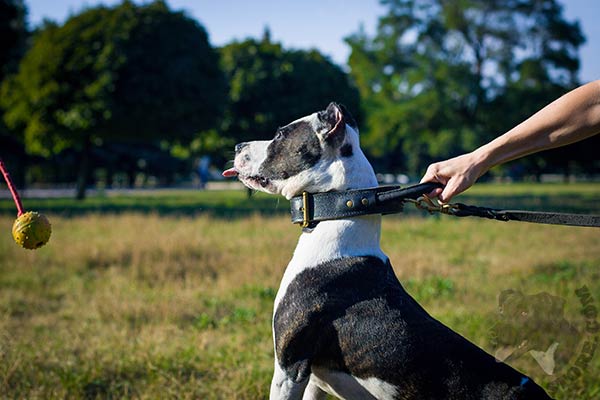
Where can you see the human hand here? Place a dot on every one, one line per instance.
(456, 174)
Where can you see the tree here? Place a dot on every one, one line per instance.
(271, 86)
(441, 77)
(13, 37)
(126, 73)
(13, 34)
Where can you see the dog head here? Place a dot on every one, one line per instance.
(317, 153)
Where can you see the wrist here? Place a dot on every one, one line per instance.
(481, 160)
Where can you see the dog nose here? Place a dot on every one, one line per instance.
(240, 146)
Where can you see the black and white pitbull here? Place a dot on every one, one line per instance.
(342, 322)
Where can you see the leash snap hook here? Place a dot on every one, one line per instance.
(424, 202)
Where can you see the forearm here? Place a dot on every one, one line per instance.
(573, 117)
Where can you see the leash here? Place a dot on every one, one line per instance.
(311, 208)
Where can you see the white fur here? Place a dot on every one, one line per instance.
(337, 238)
(346, 386)
(329, 240)
(284, 388)
(249, 162)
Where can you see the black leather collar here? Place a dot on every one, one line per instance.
(311, 208)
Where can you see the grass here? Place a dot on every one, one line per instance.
(149, 298)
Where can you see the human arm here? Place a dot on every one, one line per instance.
(573, 117)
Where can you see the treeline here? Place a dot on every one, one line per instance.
(132, 90)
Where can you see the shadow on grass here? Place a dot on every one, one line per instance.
(220, 204)
(236, 203)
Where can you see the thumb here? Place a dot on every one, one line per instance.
(432, 176)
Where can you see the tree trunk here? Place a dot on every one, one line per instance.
(131, 178)
(84, 167)
(109, 177)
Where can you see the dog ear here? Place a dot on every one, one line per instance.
(335, 124)
(348, 118)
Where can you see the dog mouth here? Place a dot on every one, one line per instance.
(249, 180)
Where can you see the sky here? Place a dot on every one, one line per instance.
(320, 24)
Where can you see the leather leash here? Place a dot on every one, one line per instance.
(311, 208)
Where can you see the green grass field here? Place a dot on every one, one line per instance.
(170, 296)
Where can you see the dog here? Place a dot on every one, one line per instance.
(342, 323)
(535, 324)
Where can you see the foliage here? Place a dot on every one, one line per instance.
(271, 86)
(440, 77)
(137, 89)
(13, 38)
(127, 73)
(13, 34)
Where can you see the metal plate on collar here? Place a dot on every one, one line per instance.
(352, 203)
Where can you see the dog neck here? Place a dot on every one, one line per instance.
(357, 236)
(330, 240)
(346, 237)
(349, 237)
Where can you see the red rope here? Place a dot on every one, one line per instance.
(12, 189)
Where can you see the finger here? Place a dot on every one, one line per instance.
(435, 178)
(450, 190)
(435, 192)
(431, 175)
(427, 178)
(436, 188)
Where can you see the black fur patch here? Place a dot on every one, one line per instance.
(346, 150)
(352, 315)
(294, 149)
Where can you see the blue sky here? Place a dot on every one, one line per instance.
(320, 24)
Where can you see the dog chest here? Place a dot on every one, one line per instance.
(321, 304)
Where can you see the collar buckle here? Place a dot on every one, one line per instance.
(305, 210)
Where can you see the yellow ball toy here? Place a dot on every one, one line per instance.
(31, 230)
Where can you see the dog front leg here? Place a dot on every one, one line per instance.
(284, 386)
(314, 392)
